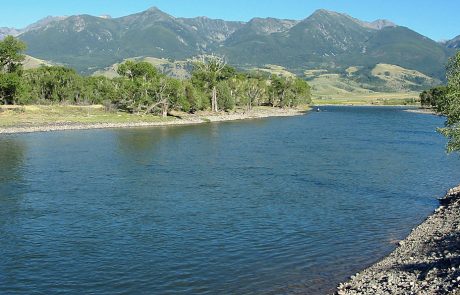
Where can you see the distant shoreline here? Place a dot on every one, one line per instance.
(424, 111)
(365, 105)
(188, 120)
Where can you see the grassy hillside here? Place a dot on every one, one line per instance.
(33, 63)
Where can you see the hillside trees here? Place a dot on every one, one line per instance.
(142, 89)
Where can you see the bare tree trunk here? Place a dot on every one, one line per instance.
(214, 100)
(165, 109)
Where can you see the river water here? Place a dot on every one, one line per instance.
(269, 206)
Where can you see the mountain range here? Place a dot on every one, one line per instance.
(325, 40)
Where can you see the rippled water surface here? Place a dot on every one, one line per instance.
(280, 205)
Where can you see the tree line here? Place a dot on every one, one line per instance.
(445, 100)
(142, 89)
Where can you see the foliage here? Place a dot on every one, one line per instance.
(446, 100)
(434, 97)
(10, 88)
(452, 108)
(11, 56)
(142, 89)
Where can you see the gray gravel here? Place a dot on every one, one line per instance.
(426, 262)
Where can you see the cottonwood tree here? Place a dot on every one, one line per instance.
(254, 89)
(452, 109)
(208, 70)
(146, 90)
(11, 58)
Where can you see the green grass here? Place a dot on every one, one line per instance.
(25, 116)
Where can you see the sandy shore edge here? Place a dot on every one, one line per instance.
(189, 120)
(426, 262)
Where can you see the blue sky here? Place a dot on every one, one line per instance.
(435, 19)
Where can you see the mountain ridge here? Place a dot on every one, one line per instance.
(325, 39)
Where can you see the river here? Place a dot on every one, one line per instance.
(270, 206)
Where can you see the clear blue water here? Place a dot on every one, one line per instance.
(272, 206)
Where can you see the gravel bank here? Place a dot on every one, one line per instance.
(426, 262)
(189, 120)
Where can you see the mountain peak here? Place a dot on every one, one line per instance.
(44, 22)
(381, 23)
(154, 8)
(376, 25)
(325, 11)
(156, 12)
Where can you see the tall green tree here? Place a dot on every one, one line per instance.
(11, 54)
(435, 98)
(208, 71)
(254, 89)
(452, 108)
(11, 58)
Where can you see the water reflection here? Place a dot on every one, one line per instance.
(12, 152)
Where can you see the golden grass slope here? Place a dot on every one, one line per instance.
(400, 78)
(33, 63)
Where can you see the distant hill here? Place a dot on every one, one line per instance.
(354, 81)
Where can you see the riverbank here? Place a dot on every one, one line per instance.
(426, 262)
(379, 99)
(58, 118)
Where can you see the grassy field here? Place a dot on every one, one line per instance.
(66, 115)
(24, 116)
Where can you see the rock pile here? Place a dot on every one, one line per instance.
(426, 262)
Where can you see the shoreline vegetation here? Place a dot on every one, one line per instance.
(426, 262)
(28, 119)
(141, 88)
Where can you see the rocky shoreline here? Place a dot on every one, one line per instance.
(423, 111)
(188, 120)
(426, 262)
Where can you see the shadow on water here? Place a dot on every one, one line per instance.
(12, 161)
(144, 141)
(12, 153)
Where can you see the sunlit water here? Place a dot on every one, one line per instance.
(280, 205)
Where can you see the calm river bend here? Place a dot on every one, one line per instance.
(270, 206)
